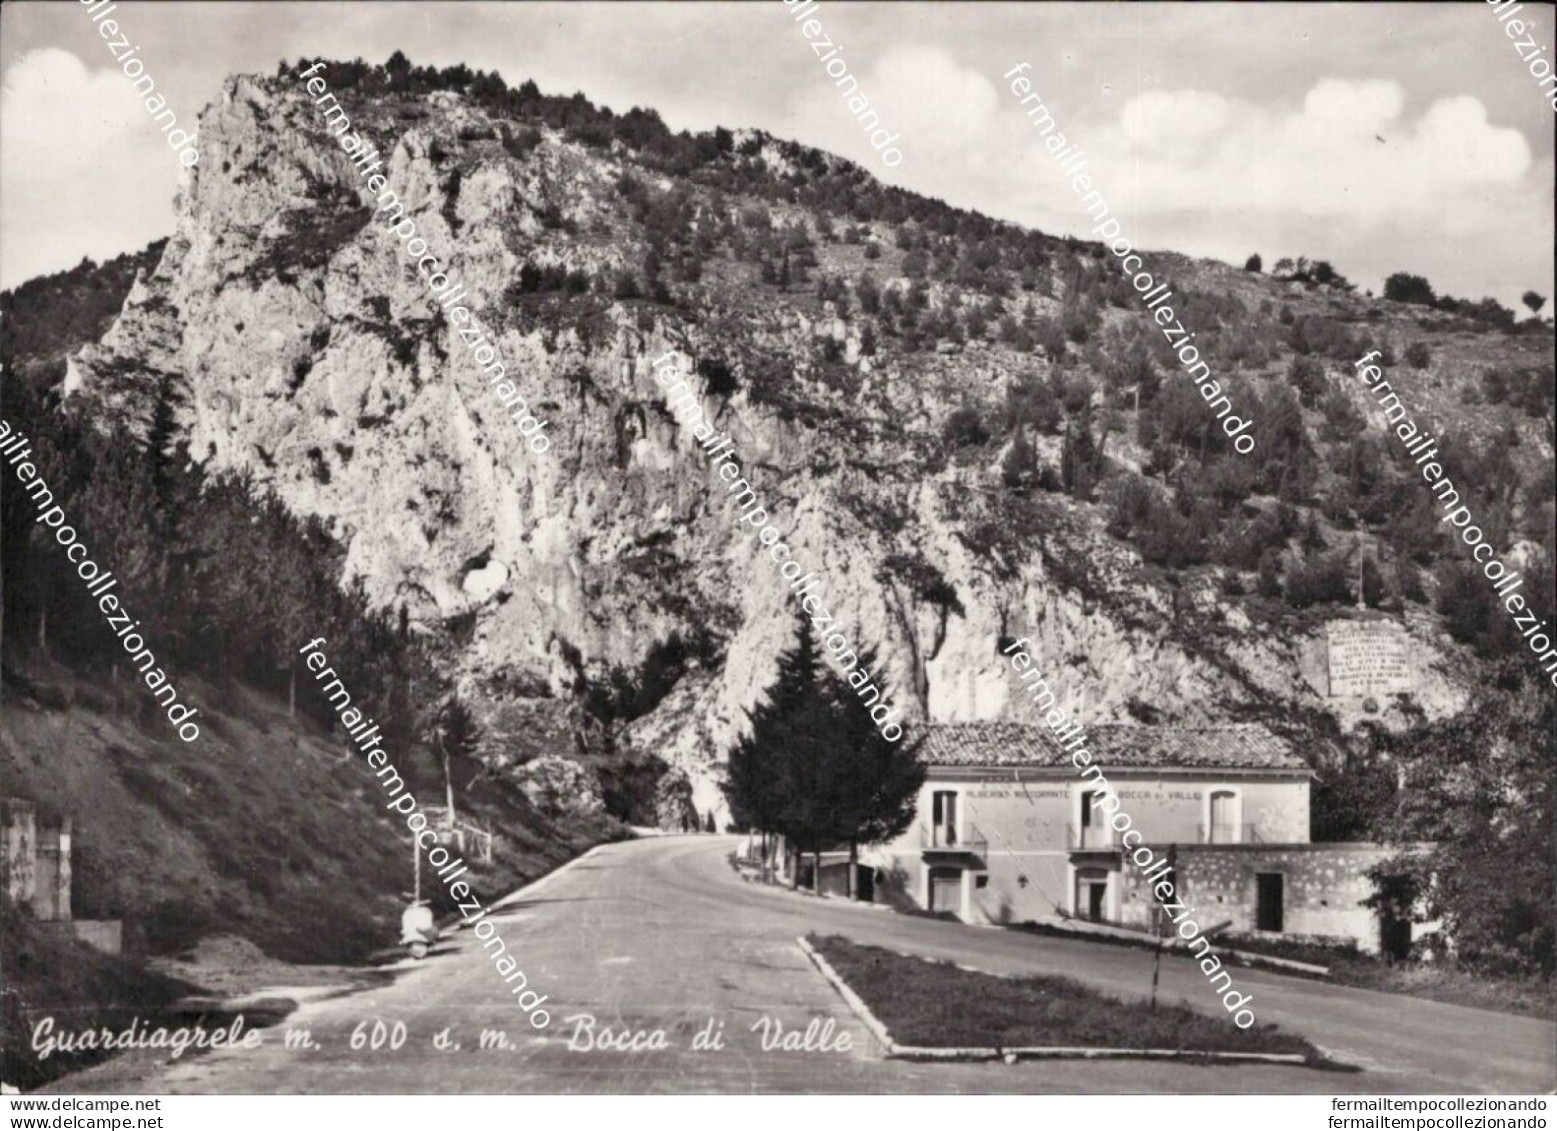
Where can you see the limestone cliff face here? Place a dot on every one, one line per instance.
(304, 349)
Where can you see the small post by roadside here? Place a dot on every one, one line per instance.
(1161, 915)
(1157, 956)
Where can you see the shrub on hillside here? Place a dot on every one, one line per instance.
(1320, 580)
(721, 379)
(965, 428)
(1402, 287)
(1268, 583)
(1532, 390)
(1267, 535)
(1418, 356)
(1342, 420)
(1076, 393)
(1324, 337)
(1051, 337)
(1308, 378)
(1034, 401)
(1019, 468)
(627, 286)
(1229, 482)
(1494, 386)
(521, 141)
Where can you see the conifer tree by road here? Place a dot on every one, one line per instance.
(815, 769)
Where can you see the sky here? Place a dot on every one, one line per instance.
(1381, 137)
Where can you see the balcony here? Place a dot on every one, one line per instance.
(1092, 838)
(1229, 834)
(946, 839)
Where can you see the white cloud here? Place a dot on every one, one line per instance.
(922, 97)
(84, 166)
(1163, 120)
(1338, 108)
(1348, 155)
(1349, 175)
(928, 94)
(1456, 132)
(51, 104)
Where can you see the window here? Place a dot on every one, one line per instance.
(1094, 830)
(1223, 827)
(944, 811)
(981, 881)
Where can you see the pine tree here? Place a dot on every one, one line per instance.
(874, 783)
(755, 781)
(161, 454)
(815, 768)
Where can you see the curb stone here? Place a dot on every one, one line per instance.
(852, 999)
(1180, 948)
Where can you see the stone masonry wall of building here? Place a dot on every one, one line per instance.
(1323, 887)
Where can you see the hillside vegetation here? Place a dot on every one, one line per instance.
(267, 828)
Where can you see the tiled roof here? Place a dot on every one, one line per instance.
(1241, 746)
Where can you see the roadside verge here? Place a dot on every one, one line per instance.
(1014, 1009)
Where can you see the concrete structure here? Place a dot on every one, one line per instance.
(1009, 831)
(35, 873)
(34, 860)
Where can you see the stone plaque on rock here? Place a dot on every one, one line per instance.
(1368, 658)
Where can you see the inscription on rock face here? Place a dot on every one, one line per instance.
(1368, 658)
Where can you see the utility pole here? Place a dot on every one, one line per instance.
(1361, 604)
(416, 872)
(1162, 914)
(1157, 957)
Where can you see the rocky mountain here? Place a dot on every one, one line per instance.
(969, 430)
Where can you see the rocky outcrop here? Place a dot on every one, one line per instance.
(306, 352)
(560, 787)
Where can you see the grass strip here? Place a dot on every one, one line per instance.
(933, 1004)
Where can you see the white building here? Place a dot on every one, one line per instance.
(1009, 831)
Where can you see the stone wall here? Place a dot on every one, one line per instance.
(1323, 888)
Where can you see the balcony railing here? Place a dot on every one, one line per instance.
(1229, 834)
(945, 838)
(1088, 838)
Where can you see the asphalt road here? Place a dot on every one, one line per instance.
(660, 934)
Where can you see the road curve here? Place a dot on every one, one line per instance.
(660, 934)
